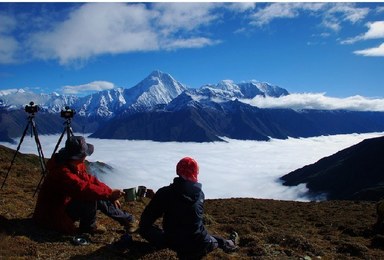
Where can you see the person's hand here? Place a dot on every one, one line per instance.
(115, 195)
(117, 204)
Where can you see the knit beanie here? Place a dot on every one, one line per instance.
(188, 169)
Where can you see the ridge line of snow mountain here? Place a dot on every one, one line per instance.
(157, 90)
(160, 108)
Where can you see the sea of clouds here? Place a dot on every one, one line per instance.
(227, 169)
(298, 101)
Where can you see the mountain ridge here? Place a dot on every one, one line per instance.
(354, 173)
(157, 88)
(162, 109)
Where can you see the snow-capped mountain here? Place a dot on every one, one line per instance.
(104, 103)
(254, 88)
(161, 108)
(53, 102)
(156, 89)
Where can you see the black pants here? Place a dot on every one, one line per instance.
(156, 237)
(85, 212)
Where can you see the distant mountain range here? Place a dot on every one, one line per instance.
(355, 173)
(162, 109)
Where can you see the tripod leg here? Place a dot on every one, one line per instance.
(58, 142)
(41, 157)
(17, 150)
(69, 129)
(39, 148)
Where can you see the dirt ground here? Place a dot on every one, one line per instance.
(269, 229)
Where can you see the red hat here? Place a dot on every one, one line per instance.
(188, 169)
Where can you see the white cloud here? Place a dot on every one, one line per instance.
(84, 31)
(372, 52)
(92, 86)
(95, 29)
(190, 43)
(380, 9)
(7, 24)
(8, 49)
(241, 6)
(173, 17)
(375, 31)
(227, 169)
(112, 28)
(318, 101)
(89, 30)
(9, 46)
(348, 11)
(275, 11)
(332, 14)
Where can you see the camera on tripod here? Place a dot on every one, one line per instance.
(31, 108)
(67, 112)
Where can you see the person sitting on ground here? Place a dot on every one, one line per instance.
(181, 205)
(69, 194)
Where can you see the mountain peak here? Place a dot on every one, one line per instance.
(157, 88)
(157, 77)
(157, 73)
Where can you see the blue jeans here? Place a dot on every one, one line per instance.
(85, 212)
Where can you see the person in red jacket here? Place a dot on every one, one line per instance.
(69, 193)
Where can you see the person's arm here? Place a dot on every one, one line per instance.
(153, 210)
(83, 186)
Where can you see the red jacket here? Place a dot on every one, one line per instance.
(62, 184)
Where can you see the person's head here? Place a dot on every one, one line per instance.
(188, 169)
(77, 149)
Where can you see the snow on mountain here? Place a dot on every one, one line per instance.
(228, 90)
(267, 89)
(104, 103)
(156, 91)
(157, 88)
(10, 91)
(225, 90)
(19, 98)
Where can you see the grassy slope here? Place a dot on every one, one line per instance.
(269, 229)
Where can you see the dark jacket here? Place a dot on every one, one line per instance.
(62, 184)
(181, 205)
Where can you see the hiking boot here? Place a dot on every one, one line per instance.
(235, 238)
(94, 229)
(231, 247)
(131, 226)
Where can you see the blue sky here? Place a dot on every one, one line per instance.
(332, 48)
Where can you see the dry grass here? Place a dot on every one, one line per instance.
(269, 229)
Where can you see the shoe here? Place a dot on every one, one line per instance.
(232, 247)
(235, 238)
(131, 226)
(94, 229)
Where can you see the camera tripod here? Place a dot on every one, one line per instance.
(68, 130)
(31, 124)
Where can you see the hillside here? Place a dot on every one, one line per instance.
(355, 173)
(269, 229)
